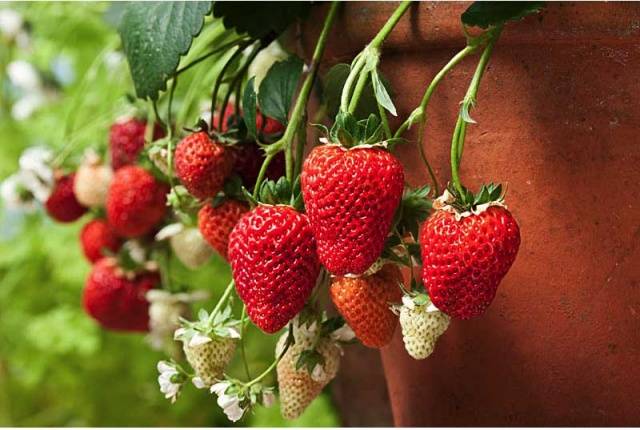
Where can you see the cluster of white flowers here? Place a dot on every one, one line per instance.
(32, 183)
(13, 29)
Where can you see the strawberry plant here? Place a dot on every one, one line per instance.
(218, 167)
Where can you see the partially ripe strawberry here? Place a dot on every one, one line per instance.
(216, 223)
(275, 267)
(465, 259)
(190, 248)
(351, 196)
(298, 387)
(364, 302)
(202, 165)
(115, 300)
(62, 204)
(92, 183)
(248, 161)
(209, 360)
(97, 236)
(136, 202)
(126, 141)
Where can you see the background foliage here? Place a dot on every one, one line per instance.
(57, 368)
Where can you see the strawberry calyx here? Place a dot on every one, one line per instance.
(349, 132)
(466, 202)
(207, 327)
(280, 192)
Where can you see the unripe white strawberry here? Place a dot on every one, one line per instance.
(300, 385)
(422, 324)
(210, 359)
(209, 343)
(191, 248)
(92, 182)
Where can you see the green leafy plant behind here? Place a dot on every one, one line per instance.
(154, 36)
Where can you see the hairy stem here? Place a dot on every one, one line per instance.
(242, 348)
(460, 131)
(301, 102)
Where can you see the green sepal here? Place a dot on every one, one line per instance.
(467, 200)
(308, 359)
(413, 210)
(349, 132)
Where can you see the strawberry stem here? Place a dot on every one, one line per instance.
(299, 109)
(460, 131)
(242, 348)
(367, 61)
(223, 299)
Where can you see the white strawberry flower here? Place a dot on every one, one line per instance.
(408, 302)
(15, 193)
(318, 373)
(36, 162)
(170, 380)
(230, 403)
(11, 23)
(24, 76)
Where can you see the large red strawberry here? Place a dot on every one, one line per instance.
(62, 204)
(216, 223)
(136, 202)
(126, 140)
(96, 237)
(248, 161)
(275, 267)
(202, 165)
(351, 196)
(465, 258)
(115, 300)
(364, 302)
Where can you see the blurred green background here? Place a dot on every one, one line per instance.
(57, 367)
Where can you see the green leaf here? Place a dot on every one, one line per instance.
(277, 88)
(491, 13)
(259, 19)
(154, 36)
(382, 96)
(249, 107)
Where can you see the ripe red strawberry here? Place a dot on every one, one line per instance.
(351, 196)
(96, 236)
(364, 303)
(465, 260)
(126, 141)
(202, 165)
(62, 204)
(216, 223)
(275, 267)
(248, 160)
(136, 201)
(116, 301)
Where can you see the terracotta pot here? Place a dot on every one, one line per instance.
(558, 121)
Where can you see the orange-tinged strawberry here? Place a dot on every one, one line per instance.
(365, 301)
(217, 222)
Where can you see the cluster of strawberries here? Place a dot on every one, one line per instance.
(336, 220)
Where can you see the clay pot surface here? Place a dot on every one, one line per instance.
(558, 121)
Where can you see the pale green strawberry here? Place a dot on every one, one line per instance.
(422, 324)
